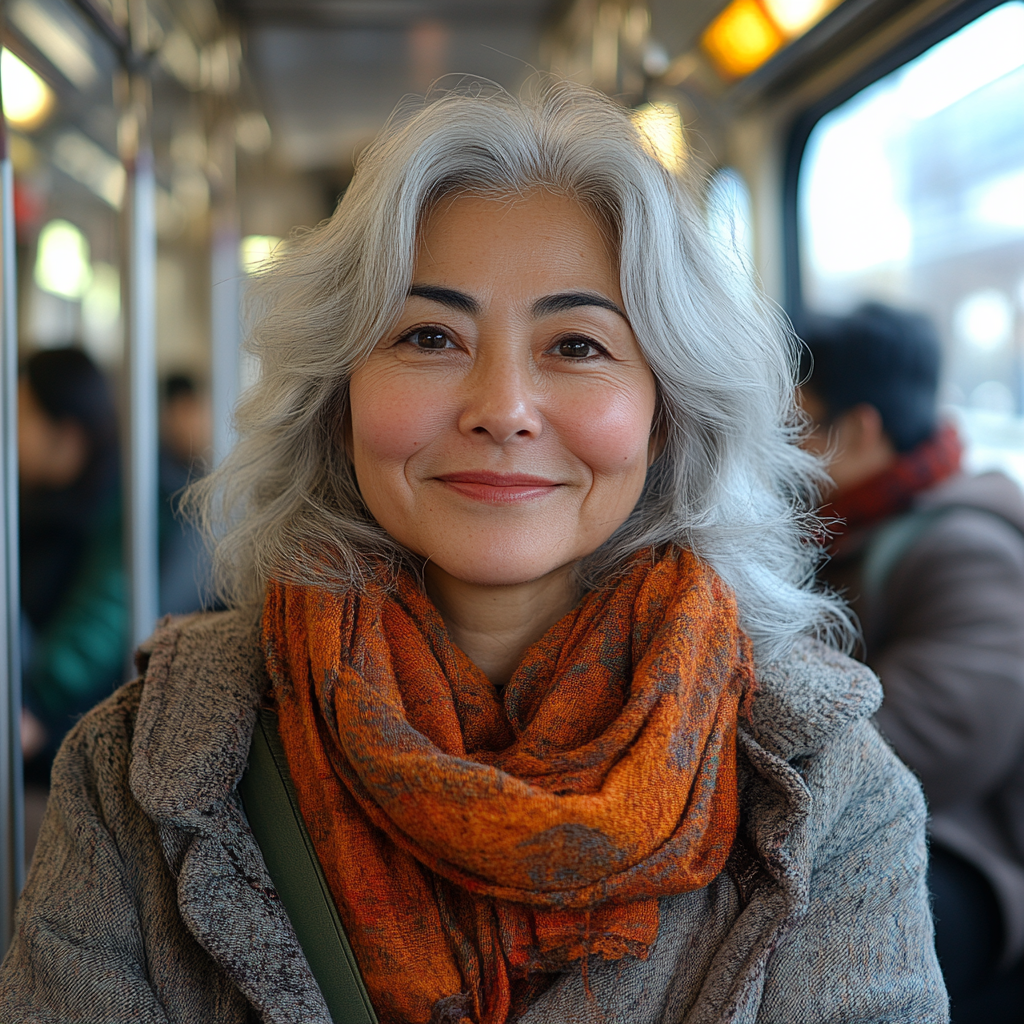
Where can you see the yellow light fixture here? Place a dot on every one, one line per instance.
(748, 32)
(28, 100)
(257, 252)
(795, 17)
(62, 260)
(741, 38)
(661, 130)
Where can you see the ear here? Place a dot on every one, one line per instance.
(864, 428)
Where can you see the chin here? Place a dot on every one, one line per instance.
(486, 570)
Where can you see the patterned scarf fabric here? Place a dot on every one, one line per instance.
(475, 838)
(893, 490)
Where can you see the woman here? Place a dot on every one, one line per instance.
(512, 543)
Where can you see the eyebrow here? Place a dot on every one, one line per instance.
(546, 306)
(563, 301)
(447, 297)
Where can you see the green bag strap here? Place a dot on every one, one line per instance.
(272, 807)
(890, 543)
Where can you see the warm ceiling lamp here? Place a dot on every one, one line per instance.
(741, 38)
(795, 17)
(28, 100)
(748, 32)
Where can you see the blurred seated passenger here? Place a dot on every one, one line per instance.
(72, 580)
(185, 443)
(933, 560)
(519, 592)
(73, 587)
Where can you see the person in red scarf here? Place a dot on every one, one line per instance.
(932, 559)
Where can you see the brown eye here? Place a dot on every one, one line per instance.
(428, 338)
(575, 348)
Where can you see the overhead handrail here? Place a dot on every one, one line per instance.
(101, 20)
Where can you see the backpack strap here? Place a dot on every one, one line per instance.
(888, 546)
(272, 807)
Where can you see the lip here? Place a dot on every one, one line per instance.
(498, 488)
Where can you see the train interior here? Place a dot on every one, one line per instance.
(162, 152)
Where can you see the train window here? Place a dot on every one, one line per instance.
(912, 192)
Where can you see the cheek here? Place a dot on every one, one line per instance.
(391, 420)
(611, 433)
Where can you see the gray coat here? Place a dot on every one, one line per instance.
(946, 636)
(148, 899)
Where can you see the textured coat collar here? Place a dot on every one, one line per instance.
(804, 700)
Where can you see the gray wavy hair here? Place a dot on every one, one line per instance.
(730, 483)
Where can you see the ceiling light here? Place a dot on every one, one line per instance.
(661, 130)
(794, 17)
(28, 100)
(62, 260)
(741, 38)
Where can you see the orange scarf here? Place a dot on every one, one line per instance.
(473, 838)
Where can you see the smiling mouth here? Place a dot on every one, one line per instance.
(499, 488)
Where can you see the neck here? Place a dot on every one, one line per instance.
(495, 625)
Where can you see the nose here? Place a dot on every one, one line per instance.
(501, 397)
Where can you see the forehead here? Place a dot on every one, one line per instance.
(529, 236)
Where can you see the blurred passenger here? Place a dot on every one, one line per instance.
(72, 578)
(186, 424)
(933, 560)
(521, 629)
(185, 445)
(73, 587)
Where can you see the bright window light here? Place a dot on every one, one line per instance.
(257, 252)
(975, 56)
(984, 319)
(999, 202)
(661, 129)
(28, 100)
(741, 38)
(62, 260)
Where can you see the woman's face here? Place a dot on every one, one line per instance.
(502, 430)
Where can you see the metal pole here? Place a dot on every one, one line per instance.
(140, 453)
(225, 331)
(225, 290)
(12, 792)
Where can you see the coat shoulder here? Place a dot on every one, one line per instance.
(801, 702)
(204, 678)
